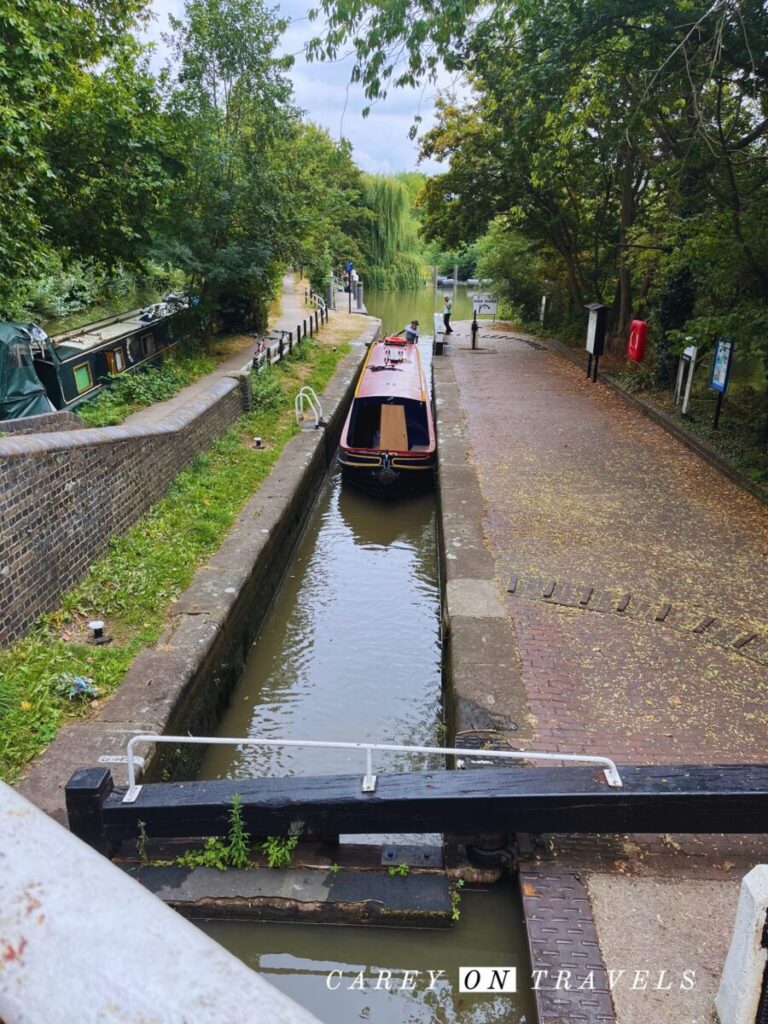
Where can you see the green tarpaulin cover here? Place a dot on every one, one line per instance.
(21, 393)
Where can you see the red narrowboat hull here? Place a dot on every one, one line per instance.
(388, 446)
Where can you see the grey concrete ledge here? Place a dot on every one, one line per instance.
(183, 682)
(86, 437)
(484, 688)
(303, 894)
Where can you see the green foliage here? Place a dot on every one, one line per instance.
(128, 392)
(213, 854)
(456, 887)
(399, 870)
(279, 850)
(390, 241)
(508, 259)
(239, 839)
(334, 869)
(45, 44)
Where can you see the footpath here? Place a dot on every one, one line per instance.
(586, 505)
(293, 311)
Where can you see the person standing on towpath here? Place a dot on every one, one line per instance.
(447, 310)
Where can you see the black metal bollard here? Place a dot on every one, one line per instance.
(475, 329)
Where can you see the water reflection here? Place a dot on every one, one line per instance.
(298, 961)
(350, 649)
(395, 309)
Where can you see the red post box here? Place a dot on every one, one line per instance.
(638, 336)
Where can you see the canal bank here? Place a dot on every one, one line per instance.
(184, 679)
(559, 503)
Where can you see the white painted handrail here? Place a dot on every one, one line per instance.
(308, 397)
(610, 771)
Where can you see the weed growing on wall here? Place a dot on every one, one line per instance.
(279, 850)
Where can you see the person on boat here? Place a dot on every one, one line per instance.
(411, 332)
(447, 310)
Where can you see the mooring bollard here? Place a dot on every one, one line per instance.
(743, 994)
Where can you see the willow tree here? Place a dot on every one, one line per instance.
(389, 237)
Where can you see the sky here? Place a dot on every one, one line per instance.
(322, 89)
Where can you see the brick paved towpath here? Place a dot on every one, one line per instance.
(583, 491)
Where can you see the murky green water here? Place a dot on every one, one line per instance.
(350, 649)
(396, 309)
(299, 959)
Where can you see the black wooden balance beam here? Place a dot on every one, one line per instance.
(653, 798)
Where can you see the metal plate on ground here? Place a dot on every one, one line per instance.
(413, 856)
(562, 937)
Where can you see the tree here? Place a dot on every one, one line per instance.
(229, 224)
(46, 45)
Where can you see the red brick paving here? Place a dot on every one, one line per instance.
(579, 486)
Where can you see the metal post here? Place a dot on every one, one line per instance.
(305, 329)
(475, 329)
(718, 407)
(594, 369)
(589, 365)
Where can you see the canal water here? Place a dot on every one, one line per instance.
(350, 650)
(298, 959)
(396, 309)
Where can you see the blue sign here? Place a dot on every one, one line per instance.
(721, 365)
(348, 266)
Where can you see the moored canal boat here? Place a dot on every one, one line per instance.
(388, 446)
(39, 373)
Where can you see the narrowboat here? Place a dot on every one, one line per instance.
(40, 374)
(387, 447)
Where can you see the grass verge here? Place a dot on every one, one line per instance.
(129, 392)
(143, 570)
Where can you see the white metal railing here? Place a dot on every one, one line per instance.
(610, 771)
(308, 397)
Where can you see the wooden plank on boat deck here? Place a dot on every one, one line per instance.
(394, 435)
(654, 798)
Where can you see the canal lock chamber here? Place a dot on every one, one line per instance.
(349, 649)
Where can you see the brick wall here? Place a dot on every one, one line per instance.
(45, 423)
(63, 495)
